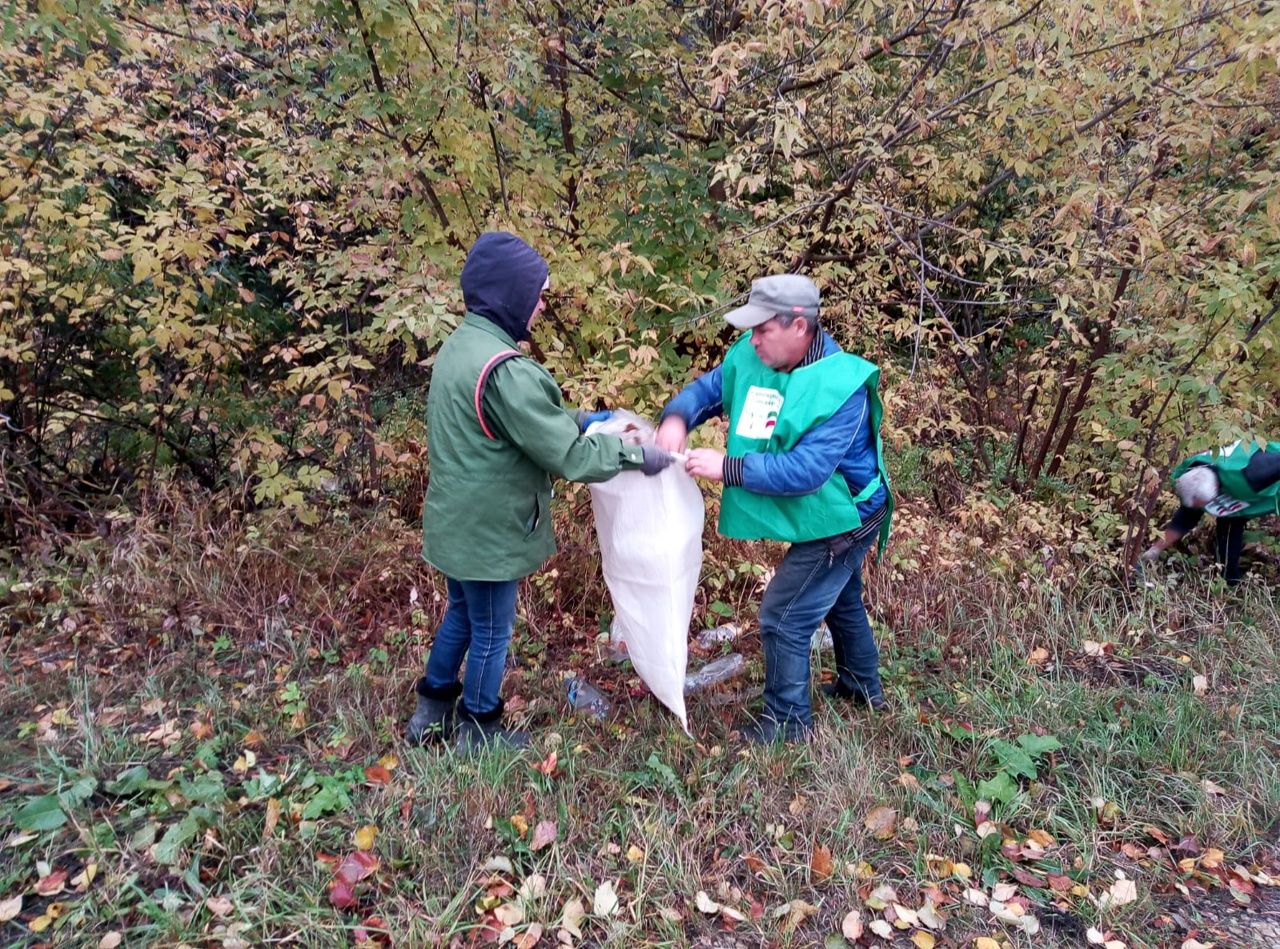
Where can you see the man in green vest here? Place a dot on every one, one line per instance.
(1233, 484)
(497, 430)
(803, 465)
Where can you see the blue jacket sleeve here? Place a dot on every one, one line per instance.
(698, 401)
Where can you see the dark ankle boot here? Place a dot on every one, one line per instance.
(432, 721)
(486, 730)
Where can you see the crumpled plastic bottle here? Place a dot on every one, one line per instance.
(725, 633)
(713, 673)
(585, 697)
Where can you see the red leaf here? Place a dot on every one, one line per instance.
(1027, 878)
(377, 774)
(52, 884)
(543, 834)
(356, 866)
(1060, 884)
(342, 894)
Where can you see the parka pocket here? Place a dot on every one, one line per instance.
(539, 512)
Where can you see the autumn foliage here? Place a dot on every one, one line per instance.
(232, 231)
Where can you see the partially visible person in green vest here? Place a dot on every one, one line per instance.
(497, 431)
(1233, 484)
(804, 465)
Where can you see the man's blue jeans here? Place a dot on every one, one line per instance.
(476, 627)
(817, 580)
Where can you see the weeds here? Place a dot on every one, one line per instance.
(207, 714)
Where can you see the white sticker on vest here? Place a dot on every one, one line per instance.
(759, 413)
(1224, 505)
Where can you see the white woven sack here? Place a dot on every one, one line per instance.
(650, 531)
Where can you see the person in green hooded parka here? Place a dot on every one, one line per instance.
(497, 431)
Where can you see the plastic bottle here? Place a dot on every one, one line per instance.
(585, 697)
(713, 673)
(725, 633)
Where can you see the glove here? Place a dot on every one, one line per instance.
(655, 459)
(586, 419)
(1150, 555)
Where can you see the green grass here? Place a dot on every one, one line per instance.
(658, 815)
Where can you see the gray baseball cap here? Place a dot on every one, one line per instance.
(787, 293)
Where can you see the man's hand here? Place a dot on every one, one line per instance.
(655, 460)
(1151, 554)
(672, 435)
(587, 419)
(705, 463)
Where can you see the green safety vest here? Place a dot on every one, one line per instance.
(1235, 498)
(770, 411)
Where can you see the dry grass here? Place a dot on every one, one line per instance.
(191, 637)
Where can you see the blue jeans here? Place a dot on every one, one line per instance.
(817, 580)
(477, 627)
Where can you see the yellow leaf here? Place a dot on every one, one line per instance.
(520, 824)
(985, 942)
(40, 923)
(635, 854)
(366, 836)
(924, 940)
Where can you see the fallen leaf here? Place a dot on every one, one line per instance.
(852, 925)
(366, 837)
(882, 929)
(376, 774)
(820, 863)
(353, 868)
(796, 912)
(10, 908)
(986, 942)
(530, 937)
(605, 902)
(111, 940)
(904, 917)
(882, 896)
(498, 864)
(85, 877)
(52, 884)
(882, 821)
(548, 765)
(1123, 891)
(272, 818)
(509, 914)
(705, 904)
(1197, 944)
(1209, 787)
(1094, 935)
(924, 940)
(634, 854)
(1042, 838)
(520, 824)
(1038, 657)
(930, 917)
(544, 834)
(1200, 684)
(571, 917)
(219, 905)
(1003, 892)
(533, 888)
(40, 923)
